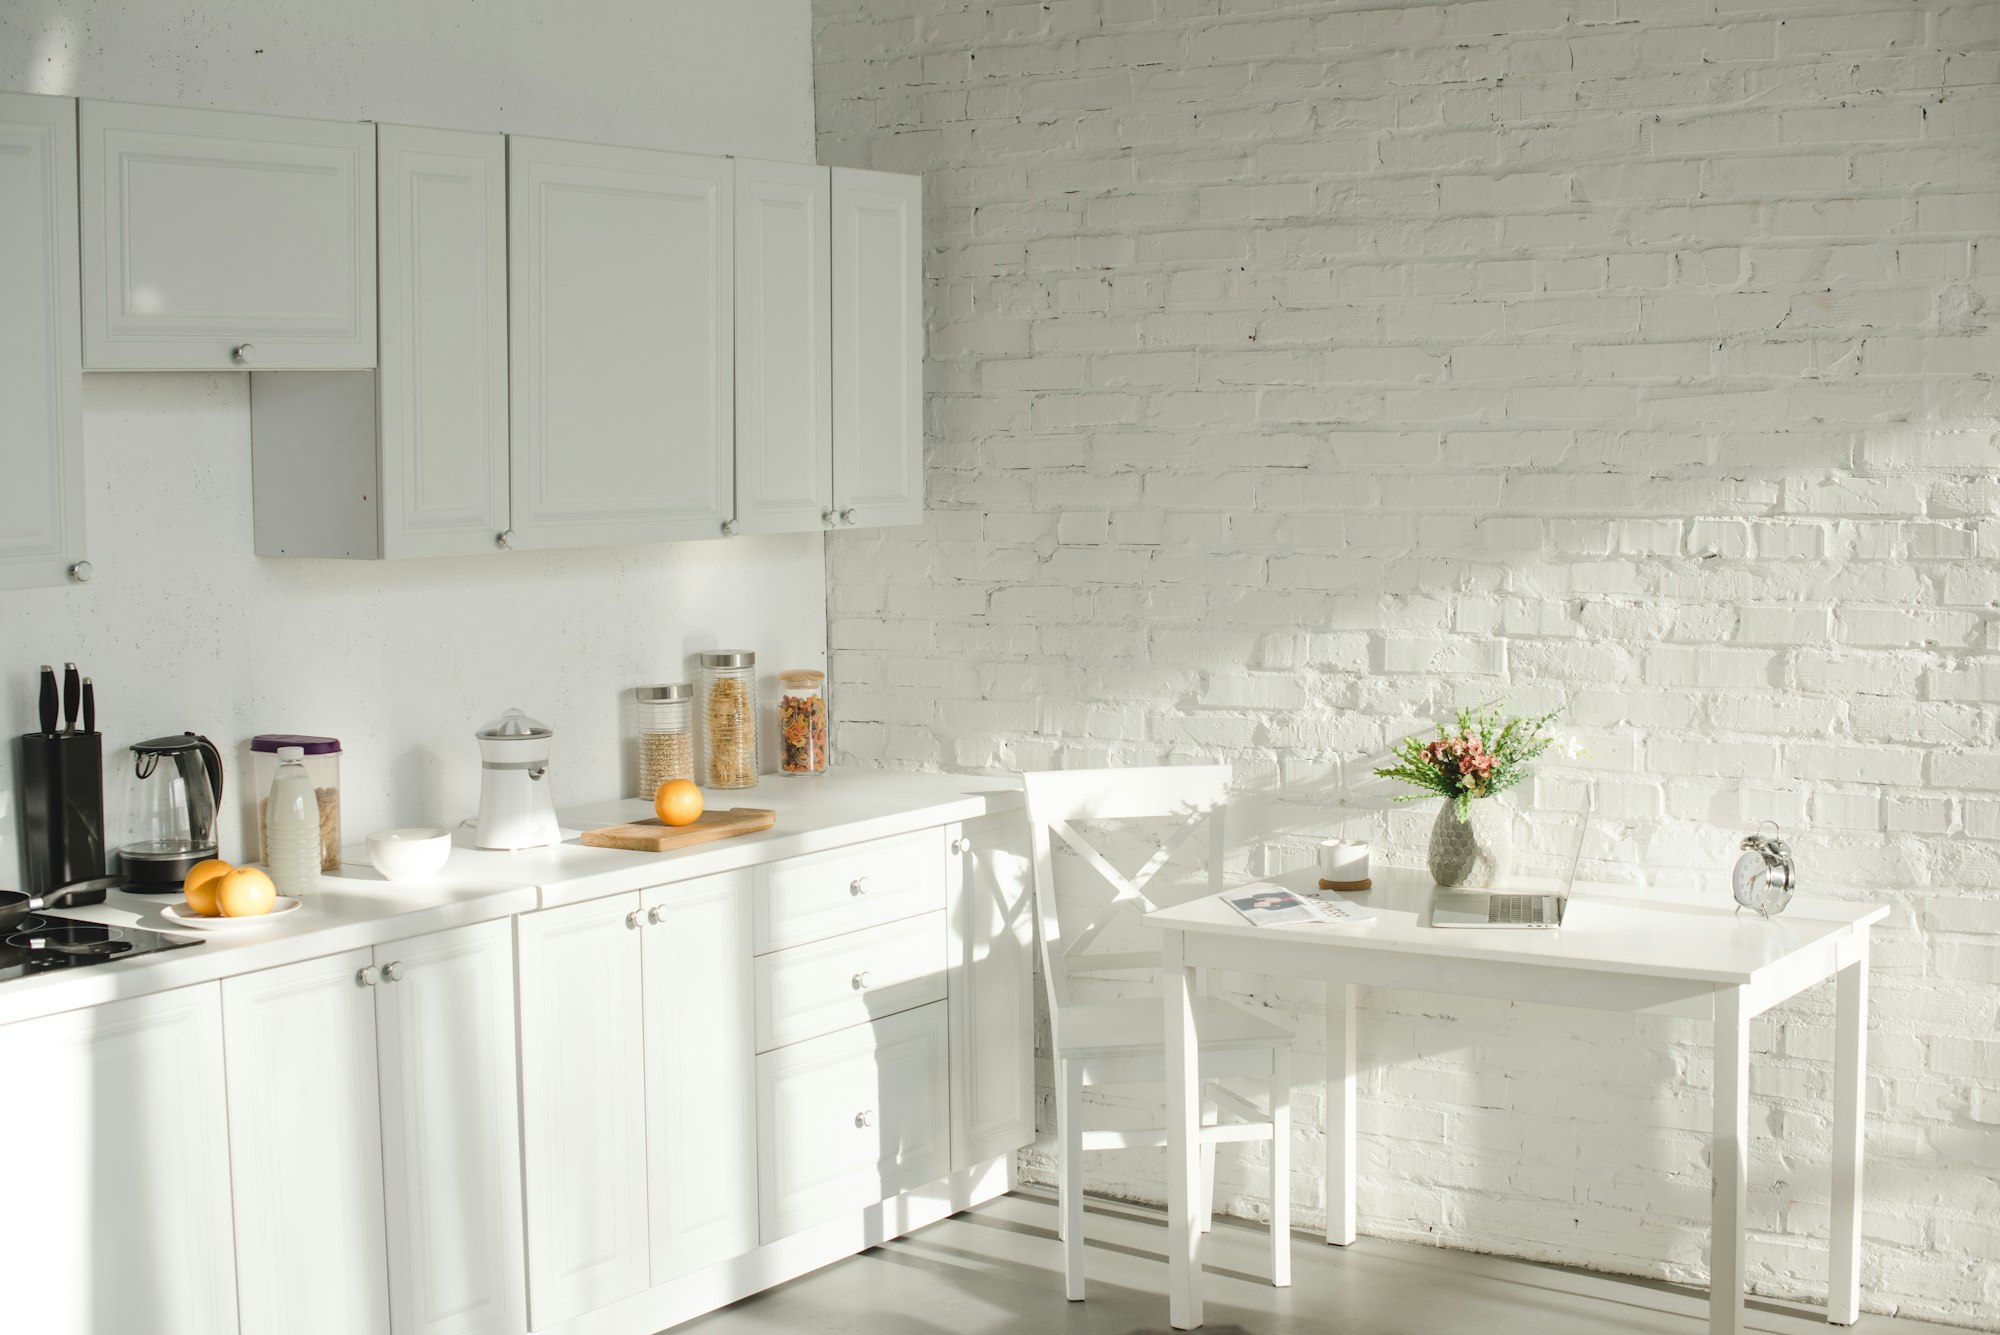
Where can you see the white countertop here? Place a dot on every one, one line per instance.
(355, 907)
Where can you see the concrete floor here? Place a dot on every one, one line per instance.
(999, 1269)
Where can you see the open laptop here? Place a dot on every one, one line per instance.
(1500, 908)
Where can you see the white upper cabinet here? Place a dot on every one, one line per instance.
(784, 358)
(41, 367)
(443, 221)
(878, 348)
(620, 300)
(216, 240)
(409, 460)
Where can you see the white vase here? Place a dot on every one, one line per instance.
(1477, 851)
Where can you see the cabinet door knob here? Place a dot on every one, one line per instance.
(864, 1118)
(847, 516)
(81, 572)
(656, 914)
(961, 845)
(830, 518)
(633, 919)
(858, 886)
(243, 353)
(504, 540)
(392, 972)
(367, 977)
(729, 528)
(861, 981)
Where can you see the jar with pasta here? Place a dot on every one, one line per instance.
(666, 736)
(802, 721)
(728, 688)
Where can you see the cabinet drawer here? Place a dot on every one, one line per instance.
(847, 889)
(848, 980)
(850, 1119)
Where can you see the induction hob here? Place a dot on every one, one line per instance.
(44, 942)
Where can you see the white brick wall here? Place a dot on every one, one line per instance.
(1302, 370)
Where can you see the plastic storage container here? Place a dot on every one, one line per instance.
(322, 761)
(802, 721)
(728, 686)
(666, 736)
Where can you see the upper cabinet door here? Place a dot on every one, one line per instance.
(620, 301)
(41, 367)
(784, 360)
(443, 390)
(878, 348)
(214, 240)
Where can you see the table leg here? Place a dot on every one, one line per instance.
(1339, 1113)
(1183, 1093)
(1729, 1157)
(1850, 1095)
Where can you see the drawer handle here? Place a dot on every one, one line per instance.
(861, 981)
(864, 1119)
(961, 846)
(656, 914)
(858, 886)
(632, 919)
(243, 353)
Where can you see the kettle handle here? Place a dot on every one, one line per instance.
(211, 756)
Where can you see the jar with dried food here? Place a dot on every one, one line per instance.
(728, 684)
(802, 721)
(666, 736)
(322, 761)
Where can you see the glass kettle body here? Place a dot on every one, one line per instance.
(173, 801)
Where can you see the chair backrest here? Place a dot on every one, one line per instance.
(1058, 800)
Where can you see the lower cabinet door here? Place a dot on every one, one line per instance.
(305, 1148)
(851, 1119)
(992, 990)
(451, 1141)
(701, 1085)
(119, 1183)
(583, 1106)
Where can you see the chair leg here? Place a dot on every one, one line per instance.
(1069, 1129)
(1210, 1115)
(1281, 1167)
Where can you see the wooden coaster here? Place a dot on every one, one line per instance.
(1365, 883)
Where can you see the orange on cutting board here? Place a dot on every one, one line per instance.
(203, 879)
(246, 892)
(678, 802)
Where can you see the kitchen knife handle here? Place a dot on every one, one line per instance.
(72, 696)
(48, 700)
(89, 706)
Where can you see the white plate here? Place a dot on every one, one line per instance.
(182, 918)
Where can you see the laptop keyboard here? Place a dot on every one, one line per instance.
(1505, 909)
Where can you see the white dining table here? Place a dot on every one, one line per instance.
(1620, 948)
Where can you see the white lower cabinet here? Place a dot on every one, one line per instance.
(846, 1120)
(583, 1106)
(121, 1169)
(992, 991)
(393, 1065)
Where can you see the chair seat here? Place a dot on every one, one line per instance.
(1125, 1025)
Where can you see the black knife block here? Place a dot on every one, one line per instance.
(62, 808)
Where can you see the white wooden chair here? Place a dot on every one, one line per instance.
(1121, 1041)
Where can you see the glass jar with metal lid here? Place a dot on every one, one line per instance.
(802, 721)
(666, 736)
(728, 686)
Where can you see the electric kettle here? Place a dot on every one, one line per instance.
(171, 805)
(516, 807)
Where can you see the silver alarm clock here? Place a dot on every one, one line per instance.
(1764, 876)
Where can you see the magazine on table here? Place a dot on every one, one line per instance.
(1265, 905)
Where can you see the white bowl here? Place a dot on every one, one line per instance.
(409, 855)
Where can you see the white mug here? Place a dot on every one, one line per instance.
(1343, 860)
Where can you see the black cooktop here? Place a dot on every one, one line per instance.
(43, 942)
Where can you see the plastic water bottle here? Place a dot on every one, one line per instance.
(291, 826)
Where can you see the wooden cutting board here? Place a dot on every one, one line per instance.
(652, 836)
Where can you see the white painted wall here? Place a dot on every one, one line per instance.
(1303, 369)
(183, 628)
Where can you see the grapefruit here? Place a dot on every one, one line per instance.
(678, 802)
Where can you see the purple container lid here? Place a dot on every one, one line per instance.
(269, 742)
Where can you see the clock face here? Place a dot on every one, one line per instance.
(1760, 886)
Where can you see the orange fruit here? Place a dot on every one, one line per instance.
(246, 892)
(202, 880)
(678, 802)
